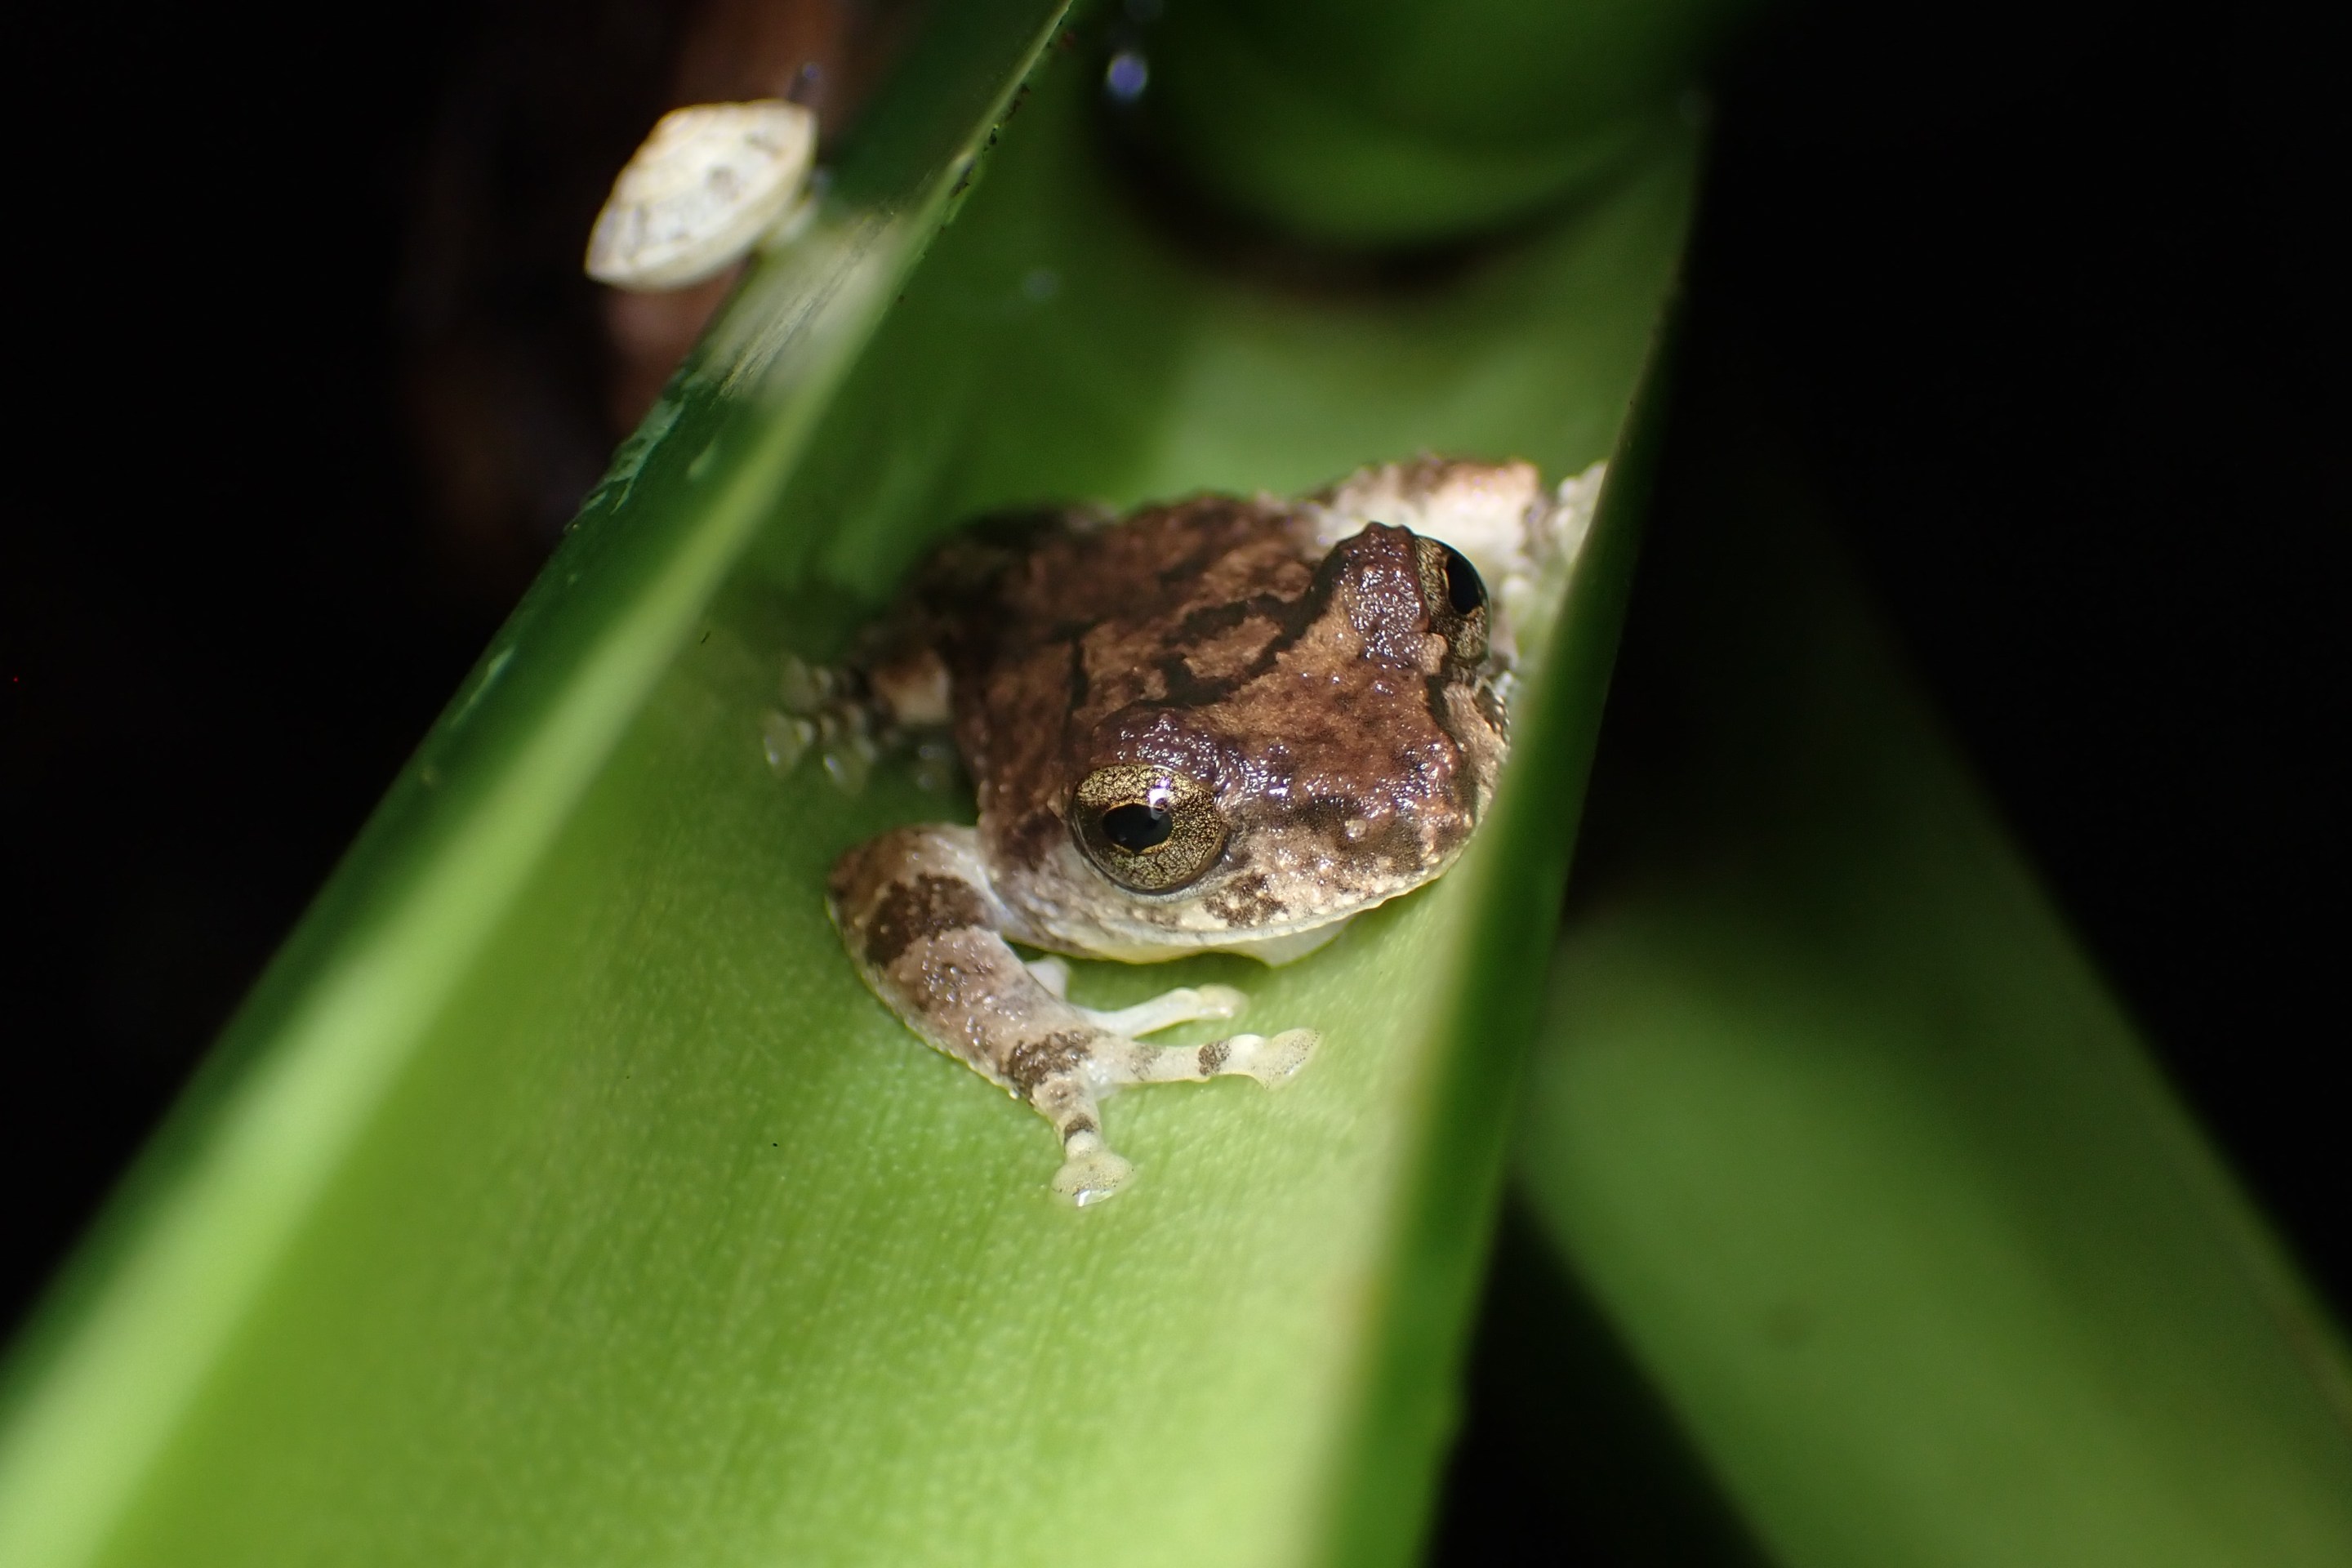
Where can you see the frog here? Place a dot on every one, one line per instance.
(1216, 724)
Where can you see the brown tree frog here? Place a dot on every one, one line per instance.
(1216, 725)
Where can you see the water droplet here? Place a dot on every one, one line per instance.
(1128, 74)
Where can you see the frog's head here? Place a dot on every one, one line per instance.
(1347, 763)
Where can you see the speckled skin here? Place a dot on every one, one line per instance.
(1314, 693)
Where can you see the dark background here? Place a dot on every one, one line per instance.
(2048, 296)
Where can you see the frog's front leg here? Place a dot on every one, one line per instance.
(916, 911)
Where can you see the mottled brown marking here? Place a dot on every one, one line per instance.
(1491, 708)
(1027, 840)
(1378, 583)
(1437, 693)
(1245, 901)
(1329, 815)
(1046, 645)
(1077, 1125)
(1214, 1057)
(1032, 1062)
(1395, 843)
(1214, 620)
(1182, 688)
(909, 913)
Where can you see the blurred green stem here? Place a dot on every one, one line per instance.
(1837, 1125)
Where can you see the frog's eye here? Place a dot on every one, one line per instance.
(1465, 589)
(1456, 597)
(1150, 829)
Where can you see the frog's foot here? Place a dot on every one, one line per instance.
(850, 718)
(1090, 1171)
(824, 712)
(1070, 1096)
(915, 912)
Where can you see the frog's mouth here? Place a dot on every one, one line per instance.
(1287, 948)
(1273, 942)
(1274, 950)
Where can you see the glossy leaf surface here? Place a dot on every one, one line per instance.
(562, 1195)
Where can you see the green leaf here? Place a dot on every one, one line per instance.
(561, 1195)
(1843, 1136)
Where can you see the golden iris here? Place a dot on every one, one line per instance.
(1150, 829)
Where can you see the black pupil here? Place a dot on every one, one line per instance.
(1135, 828)
(1464, 590)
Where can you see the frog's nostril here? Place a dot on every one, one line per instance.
(1135, 828)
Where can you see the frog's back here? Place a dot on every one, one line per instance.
(1170, 609)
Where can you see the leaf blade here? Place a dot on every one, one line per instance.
(664, 1239)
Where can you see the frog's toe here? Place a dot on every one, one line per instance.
(1185, 1005)
(1220, 1001)
(1090, 1175)
(785, 739)
(1274, 1062)
(828, 713)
